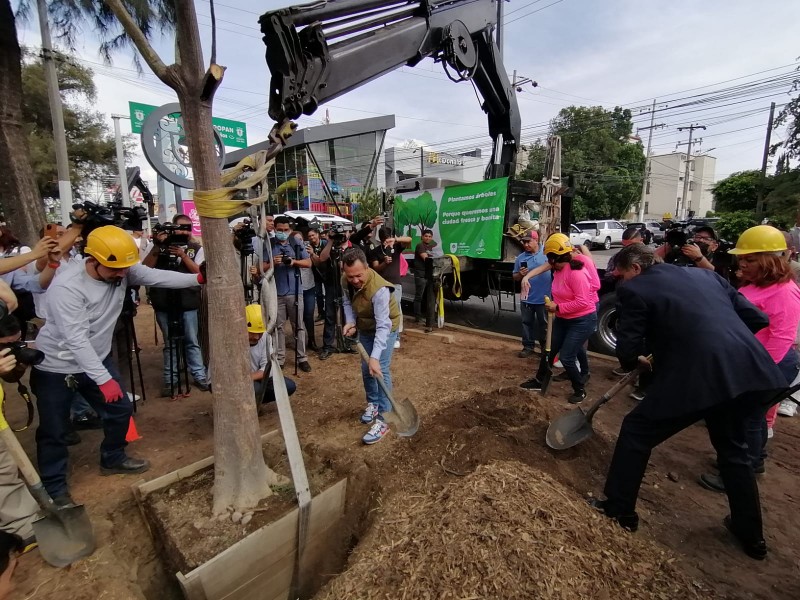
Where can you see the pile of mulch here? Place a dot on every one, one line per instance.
(506, 531)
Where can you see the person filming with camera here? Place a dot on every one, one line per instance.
(83, 306)
(174, 249)
(288, 257)
(702, 249)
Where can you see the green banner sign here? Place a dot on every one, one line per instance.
(466, 220)
(233, 133)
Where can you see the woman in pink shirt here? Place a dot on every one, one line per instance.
(575, 287)
(768, 282)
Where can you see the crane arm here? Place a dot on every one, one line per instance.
(319, 51)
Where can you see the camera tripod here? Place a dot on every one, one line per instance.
(342, 345)
(129, 346)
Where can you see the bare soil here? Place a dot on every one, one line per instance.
(473, 414)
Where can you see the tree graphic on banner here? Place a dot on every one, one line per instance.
(419, 211)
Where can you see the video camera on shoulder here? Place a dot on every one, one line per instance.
(243, 237)
(338, 231)
(113, 213)
(675, 239)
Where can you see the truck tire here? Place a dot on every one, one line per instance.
(604, 340)
(607, 244)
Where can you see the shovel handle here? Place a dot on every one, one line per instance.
(551, 317)
(365, 357)
(14, 448)
(626, 379)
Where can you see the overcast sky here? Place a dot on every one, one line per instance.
(584, 52)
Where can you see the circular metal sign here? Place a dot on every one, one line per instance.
(164, 145)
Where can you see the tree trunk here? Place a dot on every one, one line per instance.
(241, 477)
(22, 205)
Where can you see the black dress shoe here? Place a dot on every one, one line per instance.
(325, 354)
(71, 438)
(304, 367)
(754, 549)
(629, 522)
(129, 466)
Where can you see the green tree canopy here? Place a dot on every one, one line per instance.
(90, 145)
(596, 145)
(739, 191)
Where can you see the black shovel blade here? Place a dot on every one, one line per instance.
(569, 430)
(403, 418)
(64, 535)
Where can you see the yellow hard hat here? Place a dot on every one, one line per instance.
(112, 247)
(558, 243)
(761, 238)
(255, 320)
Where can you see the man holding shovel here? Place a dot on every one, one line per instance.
(371, 310)
(707, 365)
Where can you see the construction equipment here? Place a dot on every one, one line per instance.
(404, 416)
(64, 533)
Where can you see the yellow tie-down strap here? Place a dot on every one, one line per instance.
(456, 274)
(219, 203)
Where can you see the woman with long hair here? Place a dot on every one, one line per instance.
(768, 282)
(574, 303)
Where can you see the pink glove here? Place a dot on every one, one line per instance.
(111, 390)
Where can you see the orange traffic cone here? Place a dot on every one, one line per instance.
(132, 434)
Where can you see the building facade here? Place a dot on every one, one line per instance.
(412, 163)
(664, 193)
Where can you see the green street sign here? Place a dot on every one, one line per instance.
(233, 133)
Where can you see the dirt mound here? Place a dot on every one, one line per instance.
(505, 531)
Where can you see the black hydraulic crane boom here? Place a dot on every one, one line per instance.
(319, 51)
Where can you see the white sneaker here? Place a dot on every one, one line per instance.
(787, 408)
(558, 364)
(134, 397)
(770, 433)
(396, 344)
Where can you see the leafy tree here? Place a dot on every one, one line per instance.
(738, 192)
(731, 225)
(22, 205)
(783, 201)
(596, 149)
(91, 147)
(534, 170)
(241, 475)
(370, 203)
(426, 212)
(790, 116)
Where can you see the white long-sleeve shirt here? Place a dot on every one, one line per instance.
(82, 313)
(383, 322)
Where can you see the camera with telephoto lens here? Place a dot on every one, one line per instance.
(24, 354)
(286, 260)
(675, 239)
(128, 218)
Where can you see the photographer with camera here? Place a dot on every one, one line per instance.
(84, 304)
(702, 249)
(18, 509)
(289, 256)
(174, 249)
(387, 260)
(314, 246)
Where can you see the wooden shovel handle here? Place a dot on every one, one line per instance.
(551, 317)
(614, 390)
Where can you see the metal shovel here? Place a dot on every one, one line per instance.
(64, 534)
(404, 416)
(572, 428)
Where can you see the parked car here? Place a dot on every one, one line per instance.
(657, 229)
(604, 233)
(578, 237)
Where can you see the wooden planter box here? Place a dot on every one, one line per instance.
(262, 565)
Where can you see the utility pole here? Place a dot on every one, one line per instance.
(762, 183)
(123, 173)
(59, 134)
(682, 212)
(646, 177)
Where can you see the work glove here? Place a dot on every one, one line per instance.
(111, 391)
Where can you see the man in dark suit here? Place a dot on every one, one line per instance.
(707, 365)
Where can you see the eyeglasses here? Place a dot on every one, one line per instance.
(702, 238)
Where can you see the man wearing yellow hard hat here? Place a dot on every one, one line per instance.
(259, 356)
(83, 305)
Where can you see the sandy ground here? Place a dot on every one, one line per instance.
(472, 412)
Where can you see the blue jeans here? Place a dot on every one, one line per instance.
(268, 395)
(191, 343)
(309, 297)
(757, 423)
(534, 325)
(374, 392)
(53, 400)
(569, 337)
